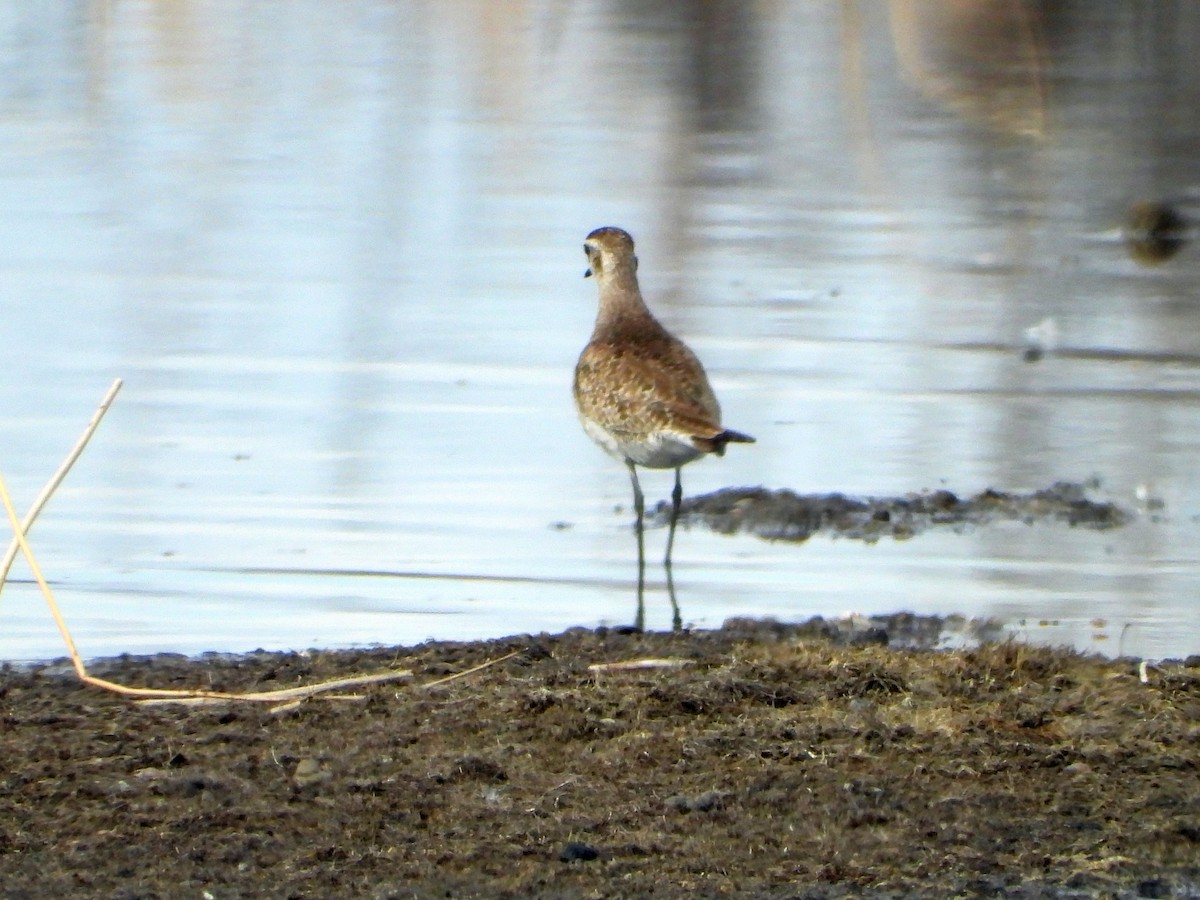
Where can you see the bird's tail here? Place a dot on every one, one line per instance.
(716, 443)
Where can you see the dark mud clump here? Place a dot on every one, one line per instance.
(782, 515)
(761, 760)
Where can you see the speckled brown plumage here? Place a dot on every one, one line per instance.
(642, 395)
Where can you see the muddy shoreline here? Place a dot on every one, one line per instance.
(758, 760)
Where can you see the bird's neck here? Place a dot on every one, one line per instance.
(621, 303)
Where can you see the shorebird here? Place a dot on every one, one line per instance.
(641, 393)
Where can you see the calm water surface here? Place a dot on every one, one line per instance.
(335, 252)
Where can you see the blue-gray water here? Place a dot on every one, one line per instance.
(335, 252)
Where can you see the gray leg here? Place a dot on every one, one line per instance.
(639, 506)
(676, 499)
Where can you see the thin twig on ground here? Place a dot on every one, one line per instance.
(632, 664)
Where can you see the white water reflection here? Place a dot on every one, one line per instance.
(334, 251)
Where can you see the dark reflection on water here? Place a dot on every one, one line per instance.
(333, 250)
(984, 61)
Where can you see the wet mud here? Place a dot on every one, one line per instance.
(759, 760)
(783, 515)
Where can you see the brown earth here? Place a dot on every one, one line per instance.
(775, 761)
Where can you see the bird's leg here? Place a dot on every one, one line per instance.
(639, 506)
(676, 499)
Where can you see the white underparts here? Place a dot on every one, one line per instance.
(660, 450)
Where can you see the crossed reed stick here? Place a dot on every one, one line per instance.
(285, 699)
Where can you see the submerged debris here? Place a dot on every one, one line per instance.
(1154, 231)
(784, 515)
(1040, 339)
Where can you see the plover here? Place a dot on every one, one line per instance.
(642, 395)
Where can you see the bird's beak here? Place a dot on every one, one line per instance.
(588, 273)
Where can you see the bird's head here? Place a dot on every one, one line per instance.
(607, 249)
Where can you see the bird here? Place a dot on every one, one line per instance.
(641, 393)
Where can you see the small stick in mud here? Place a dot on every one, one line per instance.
(628, 664)
(474, 669)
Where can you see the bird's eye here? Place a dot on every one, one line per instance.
(587, 251)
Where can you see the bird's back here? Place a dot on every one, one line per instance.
(641, 392)
(648, 392)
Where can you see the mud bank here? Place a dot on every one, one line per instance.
(784, 515)
(761, 760)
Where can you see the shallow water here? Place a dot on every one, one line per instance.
(335, 253)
